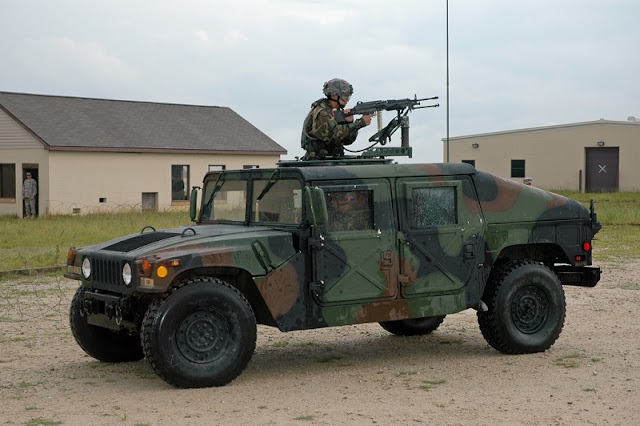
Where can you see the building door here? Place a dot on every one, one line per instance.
(602, 172)
(33, 169)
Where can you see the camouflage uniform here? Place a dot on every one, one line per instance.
(29, 191)
(322, 136)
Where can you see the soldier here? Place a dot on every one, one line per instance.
(29, 191)
(322, 135)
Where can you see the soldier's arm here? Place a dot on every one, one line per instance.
(326, 128)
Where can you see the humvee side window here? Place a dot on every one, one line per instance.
(349, 210)
(281, 203)
(228, 203)
(434, 206)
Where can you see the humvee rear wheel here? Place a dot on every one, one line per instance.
(203, 334)
(101, 343)
(414, 326)
(526, 308)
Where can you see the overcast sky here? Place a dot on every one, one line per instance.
(513, 64)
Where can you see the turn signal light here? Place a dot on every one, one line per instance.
(146, 266)
(70, 254)
(162, 271)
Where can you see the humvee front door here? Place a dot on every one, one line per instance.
(355, 253)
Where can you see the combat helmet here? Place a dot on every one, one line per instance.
(338, 86)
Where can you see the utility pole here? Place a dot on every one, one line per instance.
(447, 81)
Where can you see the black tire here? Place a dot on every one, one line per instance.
(414, 326)
(203, 334)
(526, 308)
(101, 343)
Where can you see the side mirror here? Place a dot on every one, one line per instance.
(316, 206)
(193, 203)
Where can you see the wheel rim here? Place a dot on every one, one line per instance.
(529, 309)
(203, 336)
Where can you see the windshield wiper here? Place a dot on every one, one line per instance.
(216, 188)
(272, 181)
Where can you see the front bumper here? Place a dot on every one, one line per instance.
(115, 312)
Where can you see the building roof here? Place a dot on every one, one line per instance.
(629, 122)
(85, 124)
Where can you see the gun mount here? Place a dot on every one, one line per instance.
(383, 136)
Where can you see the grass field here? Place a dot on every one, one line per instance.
(43, 242)
(32, 243)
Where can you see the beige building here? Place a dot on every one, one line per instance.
(91, 155)
(592, 156)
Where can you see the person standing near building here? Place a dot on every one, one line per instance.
(322, 135)
(29, 191)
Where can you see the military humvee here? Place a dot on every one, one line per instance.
(329, 243)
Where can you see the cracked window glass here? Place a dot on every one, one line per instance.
(434, 206)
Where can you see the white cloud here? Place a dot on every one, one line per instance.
(63, 61)
(234, 37)
(202, 36)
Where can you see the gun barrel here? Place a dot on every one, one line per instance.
(370, 107)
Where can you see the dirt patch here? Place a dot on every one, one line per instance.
(353, 375)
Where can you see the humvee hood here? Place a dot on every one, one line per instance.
(188, 238)
(503, 200)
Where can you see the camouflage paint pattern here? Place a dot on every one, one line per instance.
(302, 276)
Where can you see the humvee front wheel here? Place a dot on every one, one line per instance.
(203, 334)
(526, 308)
(101, 343)
(413, 326)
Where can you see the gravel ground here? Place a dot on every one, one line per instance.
(347, 375)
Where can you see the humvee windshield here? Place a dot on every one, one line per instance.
(272, 201)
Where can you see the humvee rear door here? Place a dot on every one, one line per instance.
(440, 235)
(355, 253)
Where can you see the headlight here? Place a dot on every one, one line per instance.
(126, 274)
(86, 268)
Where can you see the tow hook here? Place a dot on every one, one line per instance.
(118, 315)
(110, 310)
(86, 308)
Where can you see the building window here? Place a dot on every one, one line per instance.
(8, 181)
(472, 162)
(250, 166)
(179, 183)
(216, 167)
(517, 168)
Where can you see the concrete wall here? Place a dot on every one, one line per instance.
(19, 146)
(554, 155)
(78, 180)
(20, 157)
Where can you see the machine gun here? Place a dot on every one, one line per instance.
(402, 107)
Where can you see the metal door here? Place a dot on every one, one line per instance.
(354, 256)
(441, 238)
(602, 172)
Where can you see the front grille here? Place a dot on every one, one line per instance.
(107, 271)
